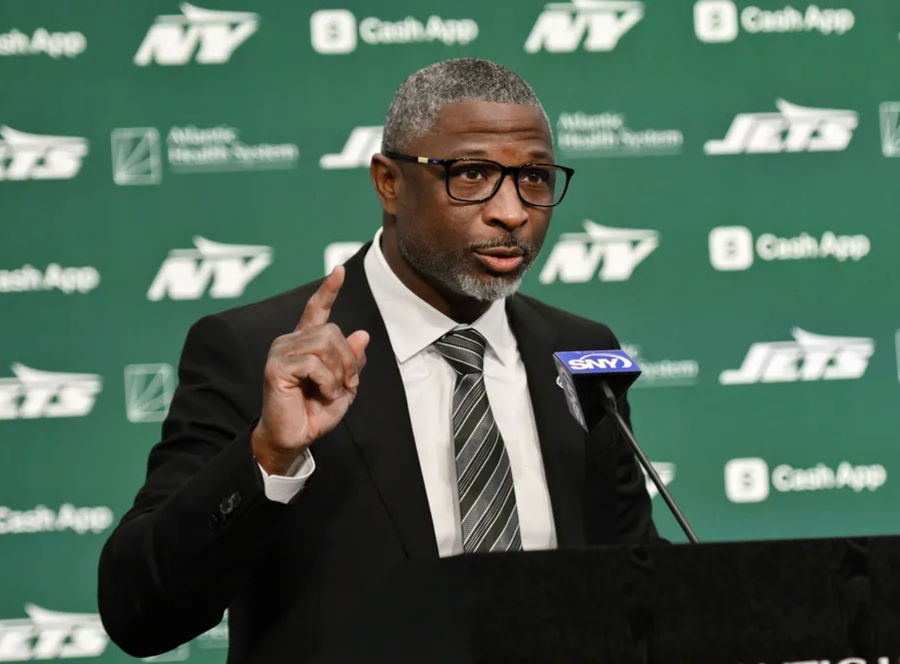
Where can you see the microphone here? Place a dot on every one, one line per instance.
(594, 381)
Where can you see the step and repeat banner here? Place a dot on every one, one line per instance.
(733, 217)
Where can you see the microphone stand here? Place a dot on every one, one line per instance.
(612, 408)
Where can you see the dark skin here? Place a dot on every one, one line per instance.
(312, 374)
(415, 200)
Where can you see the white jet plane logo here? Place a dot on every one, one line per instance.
(51, 635)
(793, 129)
(358, 150)
(577, 257)
(598, 24)
(32, 394)
(225, 269)
(212, 35)
(36, 157)
(810, 357)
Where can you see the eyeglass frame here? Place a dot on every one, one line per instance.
(504, 170)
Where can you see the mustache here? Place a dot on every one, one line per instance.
(508, 242)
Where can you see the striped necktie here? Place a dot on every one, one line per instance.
(487, 499)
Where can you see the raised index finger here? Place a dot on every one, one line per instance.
(318, 307)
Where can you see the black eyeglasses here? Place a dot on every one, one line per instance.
(477, 180)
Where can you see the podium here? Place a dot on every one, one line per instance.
(811, 601)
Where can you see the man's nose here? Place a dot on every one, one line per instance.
(505, 207)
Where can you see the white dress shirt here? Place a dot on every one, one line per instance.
(413, 326)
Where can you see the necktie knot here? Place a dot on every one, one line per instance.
(463, 349)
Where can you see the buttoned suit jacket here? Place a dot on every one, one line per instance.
(202, 536)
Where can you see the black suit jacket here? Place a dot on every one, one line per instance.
(202, 537)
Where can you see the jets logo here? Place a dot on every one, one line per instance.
(208, 36)
(33, 394)
(357, 152)
(223, 269)
(611, 254)
(46, 634)
(38, 157)
(597, 25)
(792, 129)
(810, 357)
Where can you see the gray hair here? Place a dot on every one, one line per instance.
(415, 106)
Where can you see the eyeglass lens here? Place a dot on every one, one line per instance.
(474, 179)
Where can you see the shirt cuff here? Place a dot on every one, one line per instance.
(282, 488)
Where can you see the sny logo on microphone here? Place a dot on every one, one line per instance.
(606, 361)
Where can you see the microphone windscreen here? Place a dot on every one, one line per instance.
(580, 374)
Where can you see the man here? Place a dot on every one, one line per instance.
(403, 408)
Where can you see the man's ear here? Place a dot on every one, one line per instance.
(388, 181)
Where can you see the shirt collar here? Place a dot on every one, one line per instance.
(413, 324)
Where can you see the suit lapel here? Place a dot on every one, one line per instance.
(378, 420)
(561, 439)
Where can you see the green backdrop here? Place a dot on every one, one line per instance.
(733, 218)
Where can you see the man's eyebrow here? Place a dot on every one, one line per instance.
(536, 154)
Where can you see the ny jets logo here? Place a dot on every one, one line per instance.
(46, 634)
(224, 269)
(809, 357)
(362, 143)
(597, 24)
(36, 157)
(32, 394)
(610, 253)
(793, 129)
(208, 36)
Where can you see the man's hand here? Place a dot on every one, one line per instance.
(311, 378)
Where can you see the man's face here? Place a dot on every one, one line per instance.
(473, 250)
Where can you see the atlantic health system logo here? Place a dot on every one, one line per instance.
(207, 36)
(608, 134)
(223, 269)
(39, 157)
(597, 25)
(792, 129)
(137, 156)
(149, 389)
(810, 357)
(663, 372)
(889, 112)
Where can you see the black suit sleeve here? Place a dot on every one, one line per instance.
(199, 524)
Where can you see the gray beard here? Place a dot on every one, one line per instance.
(446, 271)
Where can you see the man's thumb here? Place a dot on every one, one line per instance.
(358, 342)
